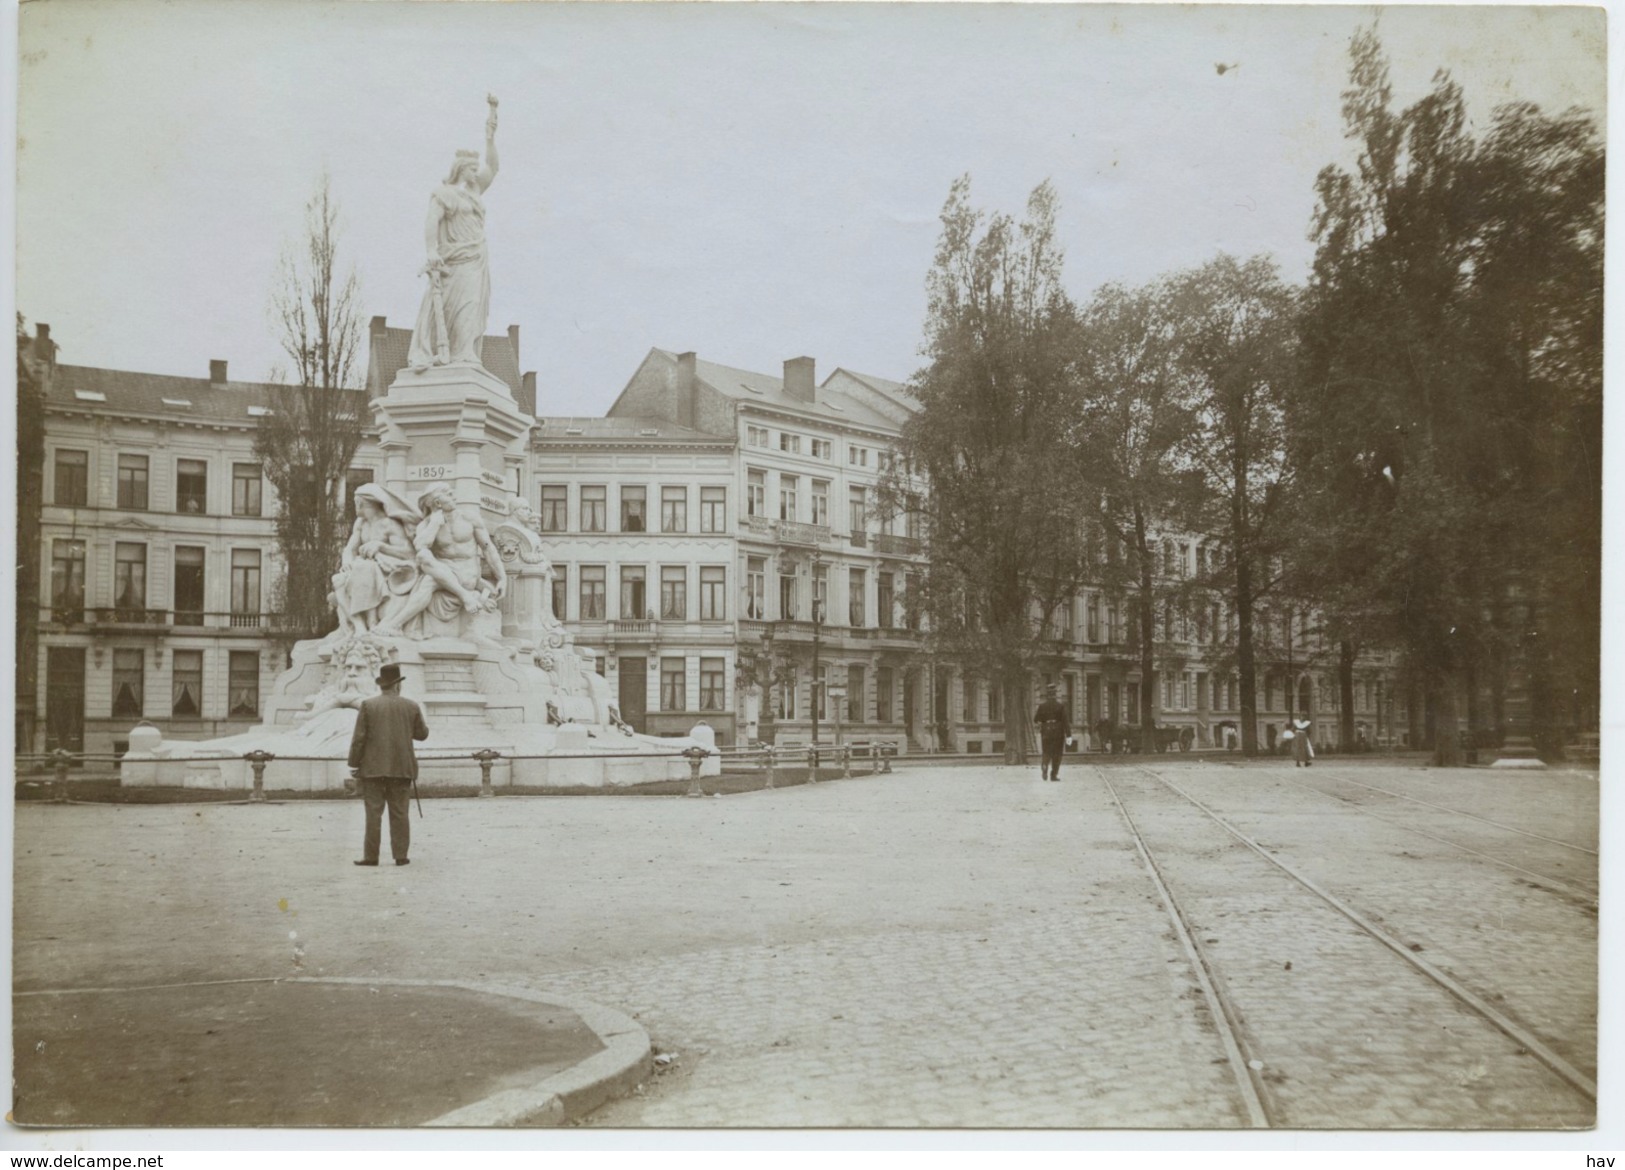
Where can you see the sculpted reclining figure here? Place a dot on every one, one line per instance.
(461, 568)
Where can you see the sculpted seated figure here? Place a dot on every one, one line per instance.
(461, 567)
(379, 566)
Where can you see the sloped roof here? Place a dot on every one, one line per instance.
(387, 357)
(749, 386)
(898, 392)
(143, 395)
(630, 428)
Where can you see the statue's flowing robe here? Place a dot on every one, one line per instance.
(465, 288)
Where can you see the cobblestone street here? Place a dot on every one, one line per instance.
(940, 947)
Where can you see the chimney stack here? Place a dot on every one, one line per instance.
(687, 392)
(799, 378)
(513, 340)
(527, 396)
(217, 372)
(43, 349)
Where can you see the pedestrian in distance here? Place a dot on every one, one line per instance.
(382, 759)
(1053, 731)
(1303, 752)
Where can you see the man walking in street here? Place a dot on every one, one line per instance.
(382, 759)
(1053, 730)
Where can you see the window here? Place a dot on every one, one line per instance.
(713, 509)
(130, 581)
(186, 684)
(995, 703)
(128, 691)
(672, 696)
(854, 694)
(593, 579)
(67, 580)
(857, 598)
(132, 482)
(674, 509)
(243, 687)
(673, 593)
(820, 501)
(634, 598)
(822, 449)
(1218, 693)
(246, 487)
(756, 436)
(188, 586)
(756, 493)
(634, 509)
(191, 486)
(857, 456)
(1068, 619)
(820, 691)
(713, 677)
(72, 478)
(883, 694)
(887, 601)
(971, 705)
(561, 590)
(911, 615)
(555, 507)
(713, 596)
(1091, 617)
(788, 505)
(913, 520)
(786, 697)
(756, 588)
(1131, 703)
(789, 444)
(857, 509)
(594, 508)
(245, 586)
(1185, 699)
(787, 596)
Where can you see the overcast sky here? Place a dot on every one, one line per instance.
(751, 181)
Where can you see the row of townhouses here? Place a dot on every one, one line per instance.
(715, 541)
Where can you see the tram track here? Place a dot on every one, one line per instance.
(1587, 898)
(1266, 1094)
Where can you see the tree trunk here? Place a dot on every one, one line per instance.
(1246, 663)
(1446, 742)
(1017, 715)
(1345, 695)
(1147, 605)
(1413, 712)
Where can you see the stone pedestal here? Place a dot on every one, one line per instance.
(456, 425)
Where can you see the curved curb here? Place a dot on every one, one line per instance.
(562, 1097)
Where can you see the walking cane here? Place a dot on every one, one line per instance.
(416, 797)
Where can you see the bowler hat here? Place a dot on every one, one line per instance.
(389, 675)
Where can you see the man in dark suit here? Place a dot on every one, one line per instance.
(382, 759)
(1053, 729)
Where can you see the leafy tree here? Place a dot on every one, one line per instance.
(1235, 350)
(1452, 325)
(307, 442)
(1000, 519)
(1128, 432)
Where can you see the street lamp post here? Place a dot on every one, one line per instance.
(818, 626)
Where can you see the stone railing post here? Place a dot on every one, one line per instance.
(846, 761)
(695, 756)
(61, 759)
(767, 761)
(486, 756)
(812, 764)
(257, 760)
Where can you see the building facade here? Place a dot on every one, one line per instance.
(716, 543)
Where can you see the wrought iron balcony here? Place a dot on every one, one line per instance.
(795, 532)
(896, 546)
